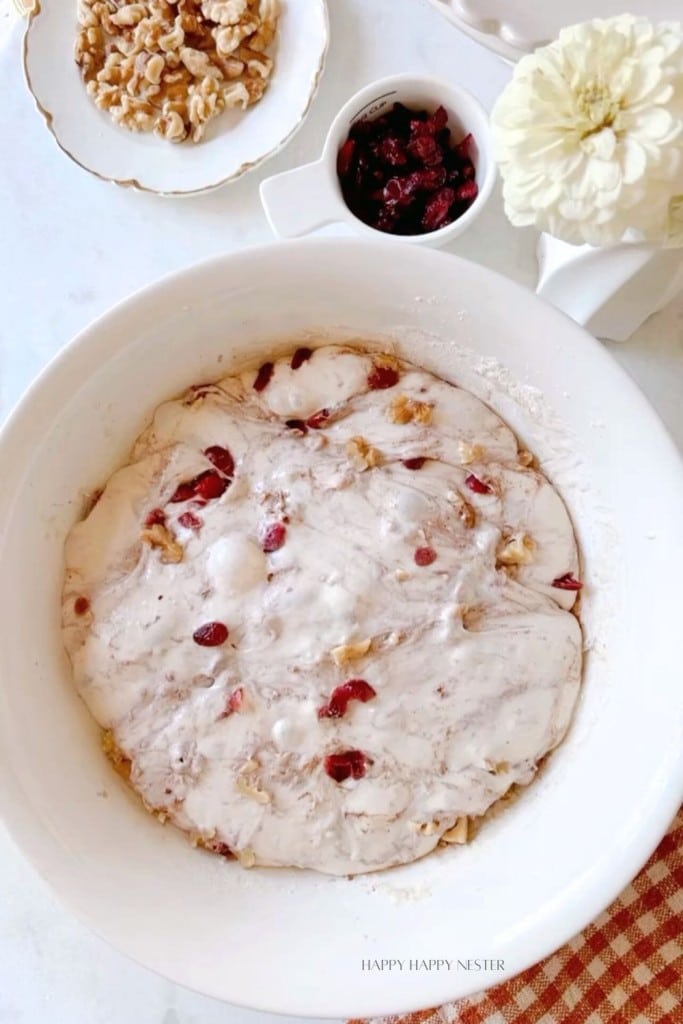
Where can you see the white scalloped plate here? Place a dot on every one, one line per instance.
(512, 28)
(235, 142)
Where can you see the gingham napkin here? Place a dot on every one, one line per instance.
(626, 968)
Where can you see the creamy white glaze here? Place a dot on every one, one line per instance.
(473, 664)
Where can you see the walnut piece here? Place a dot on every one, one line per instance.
(470, 453)
(122, 764)
(362, 455)
(159, 536)
(516, 550)
(350, 652)
(171, 66)
(457, 834)
(463, 509)
(254, 791)
(246, 857)
(526, 459)
(408, 410)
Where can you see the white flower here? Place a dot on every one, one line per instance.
(589, 134)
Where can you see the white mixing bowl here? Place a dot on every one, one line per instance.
(290, 941)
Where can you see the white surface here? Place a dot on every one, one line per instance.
(513, 27)
(234, 141)
(71, 247)
(290, 212)
(211, 925)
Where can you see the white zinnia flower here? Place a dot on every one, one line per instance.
(589, 134)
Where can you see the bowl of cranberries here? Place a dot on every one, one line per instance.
(408, 157)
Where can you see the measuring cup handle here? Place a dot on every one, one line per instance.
(300, 201)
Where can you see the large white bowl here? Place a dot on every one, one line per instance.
(294, 942)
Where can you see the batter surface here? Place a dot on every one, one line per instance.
(324, 613)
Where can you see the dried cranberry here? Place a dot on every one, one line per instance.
(221, 458)
(437, 209)
(318, 419)
(382, 377)
(345, 158)
(416, 463)
(428, 180)
(398, 191)
(464, 149)
(468, 172)
(393, 152)
(387, 220)
(222, 849)
(424, 556)
(274, 537)
(467, 192)
(263, 376)
(346, 764)
(352, 689)
(301, 356)
(210, 485)
(299, 425)
(477, 486)
(81, 606)
(211, 634)
(157, 517)
(426, 150)
(190, 521)
(234, 702)
(567, 582)
(439, 119)
(183, 492)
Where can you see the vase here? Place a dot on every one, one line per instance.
(610, 291)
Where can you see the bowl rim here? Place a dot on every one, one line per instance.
(610, 876)
(133, 183)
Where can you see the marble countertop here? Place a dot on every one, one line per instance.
(71, 247)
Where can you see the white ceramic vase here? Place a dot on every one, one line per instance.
(609, 291)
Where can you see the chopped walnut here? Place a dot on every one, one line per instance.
(470, 453)
(122, 764)
(248, 784)
(498, 767)
(170, 66)
(386, 359)
(246, 857)
(408, 410)
(350, 652)
(252, 791)
(158, 536)
(463, 509)
(457, 834)
(401, 575)
(362, 455)
(526, 459)
(516, 550)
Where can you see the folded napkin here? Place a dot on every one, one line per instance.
(626, 968)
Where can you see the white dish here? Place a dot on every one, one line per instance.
(235, 142)
(301, 201)
(512, 28)
(293, 942)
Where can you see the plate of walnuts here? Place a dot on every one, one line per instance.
(174, 97)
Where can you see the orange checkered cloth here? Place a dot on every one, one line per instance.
(626, 968)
